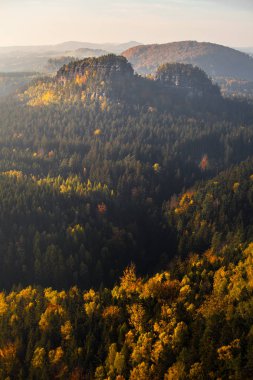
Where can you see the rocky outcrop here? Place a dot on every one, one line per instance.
(105, 67)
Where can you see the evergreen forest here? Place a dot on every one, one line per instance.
(126, 226)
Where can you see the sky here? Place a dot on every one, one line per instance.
(38, 22)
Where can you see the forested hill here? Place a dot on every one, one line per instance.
(215, 60)
(111, 80)
(191, 321)
(126, 233)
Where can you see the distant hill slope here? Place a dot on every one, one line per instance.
(248, 50)
(12, 82)
(215, 60)
(68, 46)
(35, 58)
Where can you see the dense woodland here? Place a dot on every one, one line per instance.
(11, 82)
(126, 232)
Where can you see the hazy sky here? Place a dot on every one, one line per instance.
(229, 22)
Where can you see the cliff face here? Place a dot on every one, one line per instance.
(105, 67)
(109, 76)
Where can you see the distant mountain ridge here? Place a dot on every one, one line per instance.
(247, 50)
(70, 45)
(35, 58)
(215, 60)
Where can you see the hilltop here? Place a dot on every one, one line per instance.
(110, 79)
(215, 60)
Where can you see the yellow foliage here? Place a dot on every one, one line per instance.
(91, 308)
(119, 364)
(14, 173)
(40, 94)
(55, 356)
(220, 281)
(7, 356)
(129, 283)
(56, 310)
(143, 348)
(103, 104)
(80, 80)
(237, 282)
(27, 293)
(100, 373)
(248, 253)
(73, 292)
(185, 290)
(38, 359)
(137, 316)
(3, 304)
(175, 372)
(185, 202)
(140, 372)
(191, 308)
(157, 351)
(179, 333)
(161, 287)
(75, 231)
(166, 312)
(156, 167)
(14, 318)
(196, 372)
(213, 305)
(51, 295)
(47, 98)
(8, 351)
(73, 184)
(91, 295)
(66, 330)
(111, 312)
(97, 132)
(83, 96)
(227, 353)
(236, 186)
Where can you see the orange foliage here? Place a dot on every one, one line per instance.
(81, 80)
(210, 256)
(111, 312)
(204, 162)
(102, 208)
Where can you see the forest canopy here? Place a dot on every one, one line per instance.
(125, 226)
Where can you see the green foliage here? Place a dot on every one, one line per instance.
(104, 173)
